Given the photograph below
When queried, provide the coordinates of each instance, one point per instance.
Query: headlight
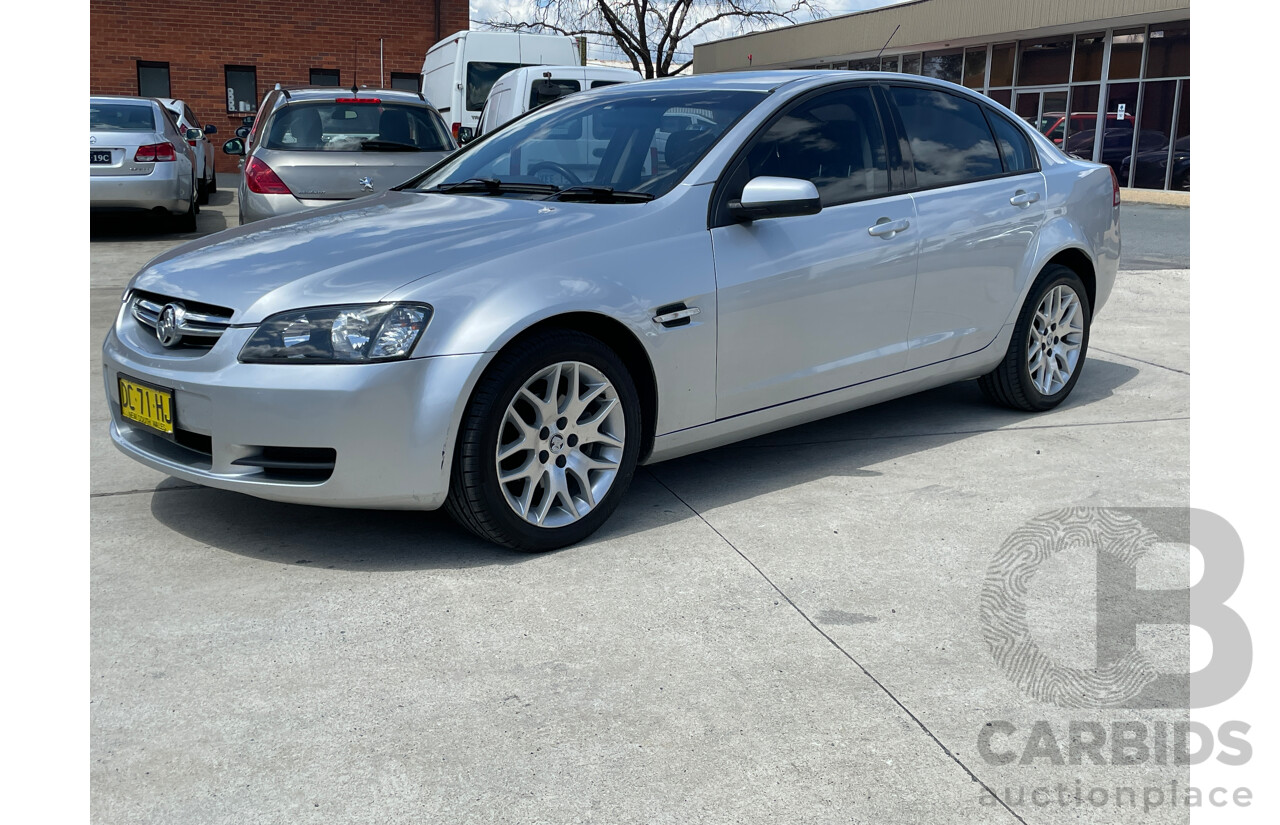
(338, 335)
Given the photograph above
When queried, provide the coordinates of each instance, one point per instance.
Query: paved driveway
(785, 629)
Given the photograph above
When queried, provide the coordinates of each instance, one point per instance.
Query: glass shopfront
(1117, 96)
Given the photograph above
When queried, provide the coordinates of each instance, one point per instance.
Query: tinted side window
(949, 137)
(833, 140)
(1014, 146)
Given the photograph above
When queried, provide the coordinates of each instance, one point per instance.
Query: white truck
(459, 70)
(518, 91)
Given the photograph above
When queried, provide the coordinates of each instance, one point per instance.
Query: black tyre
(202, 187)
(1049, 344)
(548, 444)
(186, 222)
(213, 182)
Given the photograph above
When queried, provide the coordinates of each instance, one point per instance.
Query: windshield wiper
(387, 146)
(600, 194)
(493, 186)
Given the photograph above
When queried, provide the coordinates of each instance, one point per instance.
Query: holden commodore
(509, 334)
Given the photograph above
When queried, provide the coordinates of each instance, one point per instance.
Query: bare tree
(651, 33)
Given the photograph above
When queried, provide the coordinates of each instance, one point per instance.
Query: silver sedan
(511, 349)
(139, 161)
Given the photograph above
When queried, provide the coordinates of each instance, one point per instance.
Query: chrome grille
(202, 324)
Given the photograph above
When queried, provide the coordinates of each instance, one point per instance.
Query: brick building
(222, 57)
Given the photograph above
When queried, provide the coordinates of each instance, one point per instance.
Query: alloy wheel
(560, 444)
(1054, 341)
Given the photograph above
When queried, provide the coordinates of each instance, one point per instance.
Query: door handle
(1023, 198)
(886, 228)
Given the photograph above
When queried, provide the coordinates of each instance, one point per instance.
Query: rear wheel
(186, 222)
(202, 187)
(548, 444)
(1049, 344)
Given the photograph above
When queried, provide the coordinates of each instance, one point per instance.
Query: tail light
(1115, 187)
(456, 127)
(262, 180)
(374, 100)
(155, 152)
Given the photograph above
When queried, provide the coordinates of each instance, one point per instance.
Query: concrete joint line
(837, 646)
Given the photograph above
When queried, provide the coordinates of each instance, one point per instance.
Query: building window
(1169, 50)
(242, 88)
(944, 65)
(911, 63)
(1088, 62)
(153, 79)
(889, 64)
(975, 67)
(1044, 62)
(323, 77)
(1002, 64)
(1126, 53)
(408, 81)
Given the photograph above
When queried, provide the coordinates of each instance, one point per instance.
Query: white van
(459, 70)
(518, 91)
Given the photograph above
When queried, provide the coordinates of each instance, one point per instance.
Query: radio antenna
(886, 43)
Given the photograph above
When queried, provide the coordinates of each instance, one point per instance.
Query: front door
(814, 303)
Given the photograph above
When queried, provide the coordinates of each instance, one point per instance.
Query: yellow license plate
(150, 406)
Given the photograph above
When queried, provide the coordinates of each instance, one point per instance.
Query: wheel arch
(619, 338)
(1079, 262)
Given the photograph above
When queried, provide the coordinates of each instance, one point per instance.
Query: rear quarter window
(1015, 147)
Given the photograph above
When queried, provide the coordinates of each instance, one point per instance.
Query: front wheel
(1049, 344)
(548, 444)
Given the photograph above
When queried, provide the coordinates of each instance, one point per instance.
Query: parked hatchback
(139, 161)
(510, 349)
(313, 147)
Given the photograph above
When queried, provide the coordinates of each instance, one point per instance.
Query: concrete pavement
(780, 630)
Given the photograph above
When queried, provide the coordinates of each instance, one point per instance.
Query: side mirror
(769, 197)
(235, 146)
(192, 134)
(210, 129)
(242, 132)
(248, 120)
(465, 135)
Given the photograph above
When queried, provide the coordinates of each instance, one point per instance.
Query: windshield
(614, 138)
(330, 126)
(121, 117)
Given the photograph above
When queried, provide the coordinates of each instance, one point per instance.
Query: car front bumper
(391, 425)
(160, 189)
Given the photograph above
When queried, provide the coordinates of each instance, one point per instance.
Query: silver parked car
(139, 161)
(311, 147)
(482, 340)
(206, 158)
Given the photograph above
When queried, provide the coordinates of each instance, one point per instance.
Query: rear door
(813, 303)
(979, 207)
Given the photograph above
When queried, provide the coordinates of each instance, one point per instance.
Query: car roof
(122, 99)
(335, 92)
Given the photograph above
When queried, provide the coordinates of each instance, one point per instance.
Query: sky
(599, 49)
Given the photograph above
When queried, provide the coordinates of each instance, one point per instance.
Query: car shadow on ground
(389, 541)
(146, 226)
